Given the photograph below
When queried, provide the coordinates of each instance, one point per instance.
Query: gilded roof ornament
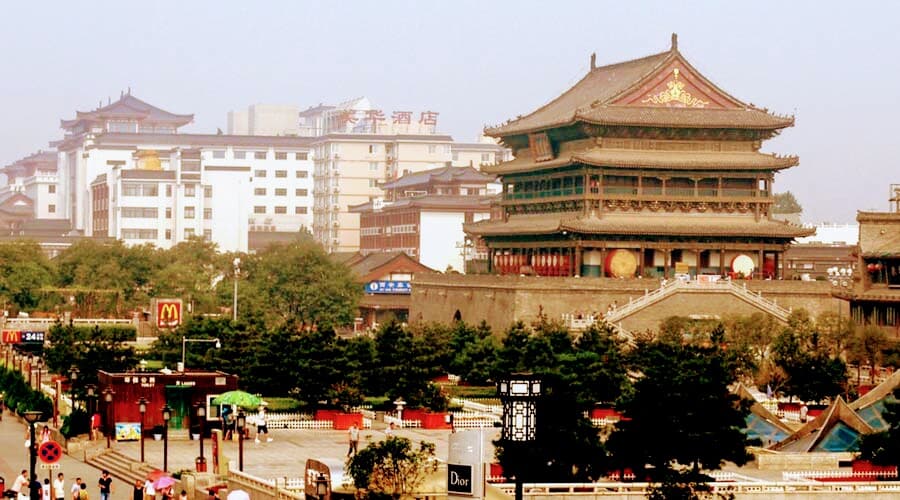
(675, 93)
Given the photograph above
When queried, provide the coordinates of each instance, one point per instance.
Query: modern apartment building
(350, 169)
(111, 155)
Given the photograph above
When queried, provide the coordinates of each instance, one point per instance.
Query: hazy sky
(833, 64)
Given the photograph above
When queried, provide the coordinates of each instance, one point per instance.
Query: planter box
(326, 414)
(343, 421)
(435, 421)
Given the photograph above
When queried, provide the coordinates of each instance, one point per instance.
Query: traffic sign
(49, 466)
(50, 452)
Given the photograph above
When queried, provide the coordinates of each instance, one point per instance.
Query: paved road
(14, 458)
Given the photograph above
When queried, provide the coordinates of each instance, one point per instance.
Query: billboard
(22, 337)
(167, 313)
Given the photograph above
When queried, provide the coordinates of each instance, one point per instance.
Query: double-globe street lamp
(519, 394)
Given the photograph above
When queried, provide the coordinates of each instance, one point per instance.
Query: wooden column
(761, 261)
(721, 259)
(641, 262)
(577, 259)
(601, 197)
(586, 184)
(490, 264)
(667, 254)
(603, 262)
(697, 257)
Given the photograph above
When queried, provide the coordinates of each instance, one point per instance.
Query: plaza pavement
(285, 456)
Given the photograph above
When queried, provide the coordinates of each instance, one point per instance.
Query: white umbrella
(238, 495)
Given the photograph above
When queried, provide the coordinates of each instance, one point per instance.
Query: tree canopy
(786, 203)
(680, 414)
(393, 468)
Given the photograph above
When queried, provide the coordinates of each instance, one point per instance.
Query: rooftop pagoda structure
(642, 168)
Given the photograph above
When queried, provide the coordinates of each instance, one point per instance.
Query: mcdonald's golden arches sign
(168, 313)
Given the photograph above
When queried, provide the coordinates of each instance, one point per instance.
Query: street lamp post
(40, 370)
(32, 417)
(166, 414)
(519, 394)
(108, 394)
(201, 416)
(30, 369)
(142, 407)
(184, 342)
(73, 378)
(241, 422)
(91, 402)
(237, 272)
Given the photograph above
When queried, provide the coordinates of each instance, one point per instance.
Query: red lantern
(871, 268)
(878, 266)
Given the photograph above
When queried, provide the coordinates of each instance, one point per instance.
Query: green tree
(475, 351)
(107, 277)
(24, 270)
(568, 446)
(811, 373)
(883, 448)
(392, 468)
(404, 367)
(680, 413)
(298, 284)
(596, 369)
(866, 347)
(191, 270)
(786, 203)
(90, 350)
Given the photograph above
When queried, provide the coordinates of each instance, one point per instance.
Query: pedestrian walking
(35, 490)
(138, 490)
(45, 434)
(353, 434)
(76, 488)
(389, 432)
(149, 490)
(262, 424)
(105, 484)
(59, 487)
(82, 492)
(45, 489)
(20, 484)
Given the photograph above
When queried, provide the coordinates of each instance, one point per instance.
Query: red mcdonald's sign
(12, 336)
(168, 314)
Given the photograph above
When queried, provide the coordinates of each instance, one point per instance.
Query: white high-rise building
(126, 170)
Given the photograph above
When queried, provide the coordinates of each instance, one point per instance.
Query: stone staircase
(679, 286)
(120, 466)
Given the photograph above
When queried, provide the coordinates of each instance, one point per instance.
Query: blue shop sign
(388, 287)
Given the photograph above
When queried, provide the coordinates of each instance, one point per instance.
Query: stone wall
(501, 300)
